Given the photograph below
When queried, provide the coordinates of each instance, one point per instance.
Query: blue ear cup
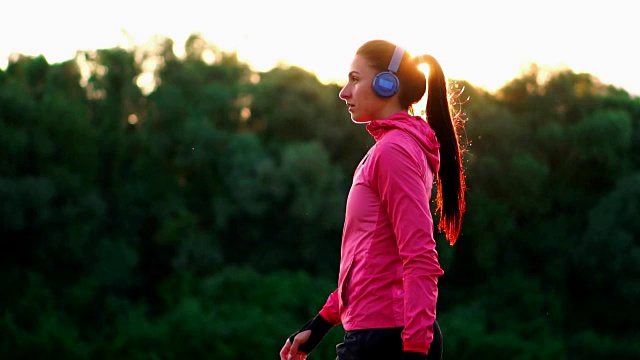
(386, 83)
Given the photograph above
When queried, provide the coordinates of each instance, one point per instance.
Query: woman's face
(364, 105)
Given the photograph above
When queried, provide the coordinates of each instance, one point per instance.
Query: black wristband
(410, 355)
(319, 328)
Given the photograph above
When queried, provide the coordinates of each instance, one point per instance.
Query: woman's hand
(290, 350)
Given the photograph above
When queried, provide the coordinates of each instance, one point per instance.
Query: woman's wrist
(319, 327)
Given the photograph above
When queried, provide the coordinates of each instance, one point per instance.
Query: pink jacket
(389, 266)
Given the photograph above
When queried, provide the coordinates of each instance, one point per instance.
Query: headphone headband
(394, 64)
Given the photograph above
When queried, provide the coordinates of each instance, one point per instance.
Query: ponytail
(450, 180)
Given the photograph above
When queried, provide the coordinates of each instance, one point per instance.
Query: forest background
(200, 215)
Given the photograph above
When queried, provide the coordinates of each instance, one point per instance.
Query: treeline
(163, 207)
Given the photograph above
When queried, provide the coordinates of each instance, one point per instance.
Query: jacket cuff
(330, 317)
(415, 346)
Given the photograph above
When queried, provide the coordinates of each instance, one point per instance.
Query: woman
(387, 284)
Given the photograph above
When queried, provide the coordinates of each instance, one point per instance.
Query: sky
(484, 42)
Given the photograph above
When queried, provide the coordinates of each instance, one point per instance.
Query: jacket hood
(415, 126)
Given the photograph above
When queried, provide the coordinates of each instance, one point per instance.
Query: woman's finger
(285, 351)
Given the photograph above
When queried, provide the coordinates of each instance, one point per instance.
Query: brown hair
(450, 199)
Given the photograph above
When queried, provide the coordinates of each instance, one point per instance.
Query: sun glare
(424, 68)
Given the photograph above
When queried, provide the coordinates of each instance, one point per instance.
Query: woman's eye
(354, 79)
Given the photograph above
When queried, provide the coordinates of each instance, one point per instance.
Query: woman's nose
(344, 93)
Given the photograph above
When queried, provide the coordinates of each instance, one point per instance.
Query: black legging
(382, 344)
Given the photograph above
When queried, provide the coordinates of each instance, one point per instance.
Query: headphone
(386, 83)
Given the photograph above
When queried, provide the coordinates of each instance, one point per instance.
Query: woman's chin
(359, 120)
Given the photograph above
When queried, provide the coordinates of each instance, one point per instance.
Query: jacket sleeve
(404, 180)
(330, 310)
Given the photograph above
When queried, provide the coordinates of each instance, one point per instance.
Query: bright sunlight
(485, 43)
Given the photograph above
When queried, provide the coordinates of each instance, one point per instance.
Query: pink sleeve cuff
(330, 316)
(415, 346)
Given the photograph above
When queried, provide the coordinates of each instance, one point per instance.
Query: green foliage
(611, 245)
(199, 214)
(467, 335)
